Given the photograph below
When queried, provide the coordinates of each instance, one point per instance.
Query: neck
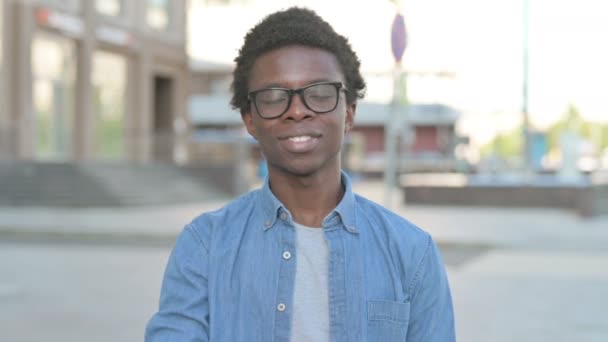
(309, 199)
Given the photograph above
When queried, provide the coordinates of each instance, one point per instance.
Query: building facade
(429, 140)
(428, 144)
(91, 80)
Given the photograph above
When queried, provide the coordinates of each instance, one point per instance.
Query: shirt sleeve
(431, 310)
(183, 313)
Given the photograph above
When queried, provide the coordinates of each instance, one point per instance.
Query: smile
(300, 143)
(301, 138)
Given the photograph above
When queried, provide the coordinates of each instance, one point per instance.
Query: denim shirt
(230, 276)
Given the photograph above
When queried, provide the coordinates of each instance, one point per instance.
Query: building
(93, 80)
(428, 144)
(432, 141)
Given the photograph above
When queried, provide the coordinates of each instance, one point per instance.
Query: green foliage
(510, 144)
(604, 136)
(573, 121)
(506, 145)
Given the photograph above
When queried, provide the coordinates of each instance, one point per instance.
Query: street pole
(525, 85)
(394, 122)
(390, 140)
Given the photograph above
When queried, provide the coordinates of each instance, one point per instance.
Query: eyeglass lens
(320, 98)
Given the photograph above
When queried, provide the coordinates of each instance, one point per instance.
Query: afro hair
(294, 26)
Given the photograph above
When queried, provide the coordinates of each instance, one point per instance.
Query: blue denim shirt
(229, 278)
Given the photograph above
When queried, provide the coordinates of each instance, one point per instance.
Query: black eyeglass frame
(291, 92)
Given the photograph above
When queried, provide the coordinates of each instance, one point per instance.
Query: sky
(479, 42)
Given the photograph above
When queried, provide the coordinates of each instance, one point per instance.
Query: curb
(87, 236)
(153, 238)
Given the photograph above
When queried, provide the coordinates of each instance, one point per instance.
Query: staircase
(99, 184)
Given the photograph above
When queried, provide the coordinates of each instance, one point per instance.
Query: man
(303, 258)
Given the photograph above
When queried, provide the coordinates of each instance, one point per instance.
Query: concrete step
(107, 184)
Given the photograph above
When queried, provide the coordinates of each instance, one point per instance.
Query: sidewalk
(497, 227)
(514, 273)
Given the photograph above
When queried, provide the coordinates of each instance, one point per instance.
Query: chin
(301, 171)
(305, 169)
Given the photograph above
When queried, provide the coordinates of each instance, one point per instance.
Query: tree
(510, 144)
(573, 121)
(506, 145)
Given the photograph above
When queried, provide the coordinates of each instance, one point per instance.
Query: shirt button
(286, 255)
(281, 307)
(267, 223)
(283, 216)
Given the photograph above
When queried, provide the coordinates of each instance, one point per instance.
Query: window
(71, 6)
(53, 71)
(110, 8)
(217, 2)
(158, 14)
(3, 120)
(1, 32)
(109, 87)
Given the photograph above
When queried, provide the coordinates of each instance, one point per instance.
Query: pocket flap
(386, 310)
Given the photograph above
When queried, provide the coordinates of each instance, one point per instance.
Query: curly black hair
(294, 26)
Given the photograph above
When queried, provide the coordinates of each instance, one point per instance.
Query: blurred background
(485, 123)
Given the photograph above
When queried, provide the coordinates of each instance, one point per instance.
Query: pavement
(94, 274)
(449, 225)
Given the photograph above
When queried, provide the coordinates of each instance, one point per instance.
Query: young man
(303, 258)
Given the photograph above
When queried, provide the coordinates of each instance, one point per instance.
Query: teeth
(300, 139)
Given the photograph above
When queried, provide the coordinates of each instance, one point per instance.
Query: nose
(297, 110)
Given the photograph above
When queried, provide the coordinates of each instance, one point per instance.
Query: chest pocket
(387, 320)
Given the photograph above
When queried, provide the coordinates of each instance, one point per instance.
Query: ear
(351, 109)
(248, 121)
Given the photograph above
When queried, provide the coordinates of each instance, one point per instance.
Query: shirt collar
(272, 208)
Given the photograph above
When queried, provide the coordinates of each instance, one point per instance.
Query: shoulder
(206, 224)
(379, 220)
(228, 211)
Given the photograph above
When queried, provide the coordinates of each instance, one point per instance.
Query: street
(71, 292)
(106, 292)
(523, 295)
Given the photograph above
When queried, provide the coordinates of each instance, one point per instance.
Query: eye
(320, 92)
(319, 97)
(272, 96)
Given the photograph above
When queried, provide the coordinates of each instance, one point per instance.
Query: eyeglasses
(271, 103)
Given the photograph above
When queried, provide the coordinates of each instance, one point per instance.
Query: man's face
(300, 142)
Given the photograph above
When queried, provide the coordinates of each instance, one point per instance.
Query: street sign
(398, 37)
(395, 121)
(69, 24)
(114, 35)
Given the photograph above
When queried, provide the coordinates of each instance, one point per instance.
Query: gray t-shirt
(311, 301)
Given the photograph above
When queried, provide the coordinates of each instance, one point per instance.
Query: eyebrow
(280, 86)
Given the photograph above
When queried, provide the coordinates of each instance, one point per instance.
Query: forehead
(294, 66)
